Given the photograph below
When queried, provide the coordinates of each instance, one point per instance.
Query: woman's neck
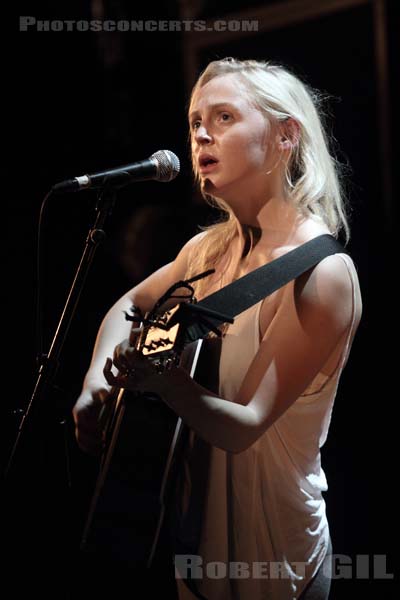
(275, 225)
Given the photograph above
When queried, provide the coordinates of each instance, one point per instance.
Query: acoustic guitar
(144, 438)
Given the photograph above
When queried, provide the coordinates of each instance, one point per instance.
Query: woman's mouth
(207, 163)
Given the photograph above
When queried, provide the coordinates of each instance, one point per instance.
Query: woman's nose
(202, 136)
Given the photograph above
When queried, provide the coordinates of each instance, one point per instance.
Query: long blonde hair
(313, 174)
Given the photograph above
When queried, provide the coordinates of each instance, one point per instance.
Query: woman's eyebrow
(196, 113)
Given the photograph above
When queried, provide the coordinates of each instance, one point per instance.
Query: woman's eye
(195, 124)
(225, 117)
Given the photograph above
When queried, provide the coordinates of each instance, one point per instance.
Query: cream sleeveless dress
(264, 531)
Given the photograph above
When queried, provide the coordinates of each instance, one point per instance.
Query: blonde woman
(260, 153)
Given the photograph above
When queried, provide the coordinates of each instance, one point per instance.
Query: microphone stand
(50, 362)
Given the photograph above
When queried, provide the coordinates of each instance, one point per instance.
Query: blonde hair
(313, 174)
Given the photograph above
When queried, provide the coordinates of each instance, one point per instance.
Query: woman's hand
(135, 372)
(90, 413)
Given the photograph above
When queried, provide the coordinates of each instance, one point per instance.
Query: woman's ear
(289, 134)
(285, 144)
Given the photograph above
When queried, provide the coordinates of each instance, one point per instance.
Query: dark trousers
(320, 585)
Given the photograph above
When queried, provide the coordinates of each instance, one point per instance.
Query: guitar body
(138, 473)
(135, 518)
(125, 508)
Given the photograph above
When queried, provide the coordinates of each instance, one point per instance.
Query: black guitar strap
(260, 283)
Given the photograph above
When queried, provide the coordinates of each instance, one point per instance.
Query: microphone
(162, 166)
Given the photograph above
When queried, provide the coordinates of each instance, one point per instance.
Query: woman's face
(230, 139)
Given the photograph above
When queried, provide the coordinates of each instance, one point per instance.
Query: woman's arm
(113, 329)
(312, 320)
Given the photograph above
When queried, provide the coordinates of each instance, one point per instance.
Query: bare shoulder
(182, 260)
(329, 291)
(147, 292)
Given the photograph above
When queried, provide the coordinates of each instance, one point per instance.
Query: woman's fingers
(121, 379)
(88, 442)
(89, 424)
(135, 371)
(134, 335)
(112, 379)
(126, 357)
(89, 434)
(122, 364)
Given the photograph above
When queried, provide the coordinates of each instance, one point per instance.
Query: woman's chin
(213, 188)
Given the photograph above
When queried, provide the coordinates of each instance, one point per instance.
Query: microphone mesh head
(168, 165)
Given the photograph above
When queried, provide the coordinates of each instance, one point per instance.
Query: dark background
(78, 102)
